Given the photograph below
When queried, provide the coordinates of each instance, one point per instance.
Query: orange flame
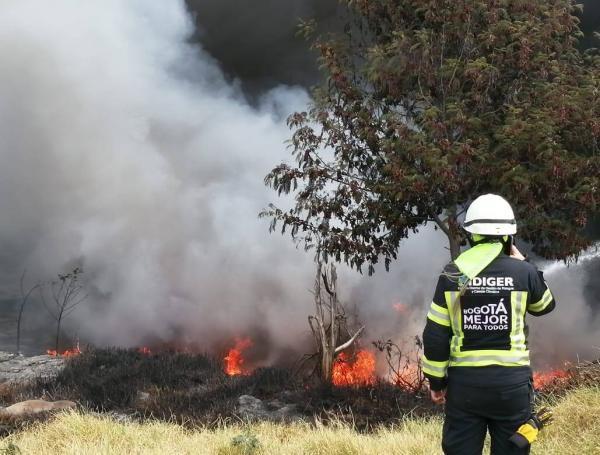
(410, 378)
(145, 350)
(400, 308)
(544, 379)
(234, 361)
(359, 372)
(68, 353)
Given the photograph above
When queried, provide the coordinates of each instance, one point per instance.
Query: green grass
(576, 430)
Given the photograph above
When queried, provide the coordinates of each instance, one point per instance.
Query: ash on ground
(194, 390)
(17, 369)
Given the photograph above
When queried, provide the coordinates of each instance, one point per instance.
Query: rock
(247, 404)
(32, 407)
(19, 369)
(252, 408)
(275, 404)
(4, 356)
(289, 413)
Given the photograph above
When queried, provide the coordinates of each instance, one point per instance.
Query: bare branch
(349, 343)
(43, 298)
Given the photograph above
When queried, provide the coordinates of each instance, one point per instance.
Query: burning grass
(198, 389)
(234, 360)
(358, 371)
(576, 431)
(560, 381)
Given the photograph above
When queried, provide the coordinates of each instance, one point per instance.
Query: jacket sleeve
(541, 300)
(436, 339)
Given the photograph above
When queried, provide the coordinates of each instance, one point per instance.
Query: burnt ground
(194, 390)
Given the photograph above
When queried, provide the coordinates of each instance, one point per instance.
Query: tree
(328, 324)
(427, 105)
(24, 298)
(67, 293)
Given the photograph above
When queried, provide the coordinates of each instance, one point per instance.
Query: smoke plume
(125, 151)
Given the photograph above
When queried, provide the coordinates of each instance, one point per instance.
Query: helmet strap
(478, 239)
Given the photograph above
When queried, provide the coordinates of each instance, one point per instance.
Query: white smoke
(571, 332)
(125, 151)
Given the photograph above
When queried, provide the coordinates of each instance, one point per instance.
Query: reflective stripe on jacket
(485, 324)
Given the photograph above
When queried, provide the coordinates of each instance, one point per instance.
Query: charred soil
(194, 390)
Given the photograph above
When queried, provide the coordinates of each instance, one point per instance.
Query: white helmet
(490, 214)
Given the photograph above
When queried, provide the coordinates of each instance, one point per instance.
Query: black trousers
(472, 411)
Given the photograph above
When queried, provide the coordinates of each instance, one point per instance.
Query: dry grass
(73, 433)
(576, 427)
(576, 431)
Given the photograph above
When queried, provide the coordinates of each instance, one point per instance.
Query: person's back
(475, 344)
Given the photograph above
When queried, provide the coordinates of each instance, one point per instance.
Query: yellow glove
(528, 432)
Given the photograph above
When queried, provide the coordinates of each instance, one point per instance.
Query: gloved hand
(528, 432)
(542, 418)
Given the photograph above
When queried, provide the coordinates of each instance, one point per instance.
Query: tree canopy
(428, 104)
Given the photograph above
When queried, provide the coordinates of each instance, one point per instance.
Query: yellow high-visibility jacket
(481, 322)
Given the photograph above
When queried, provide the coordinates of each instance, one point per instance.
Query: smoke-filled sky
(256, 41)
(128, 147)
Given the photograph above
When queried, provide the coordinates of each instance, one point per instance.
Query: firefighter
(476, 356)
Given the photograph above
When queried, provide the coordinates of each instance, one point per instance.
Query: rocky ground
(16, 369)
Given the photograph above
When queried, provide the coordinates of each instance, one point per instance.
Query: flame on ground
(234, 361)
(401, 308)
(145, 350)
(354, 372)
(409, 378)
(68, 353)
(544, 379)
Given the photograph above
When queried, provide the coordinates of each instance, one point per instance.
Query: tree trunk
(24, 299)
(454, 237)
(329, 321)
(19, 328)
(452, 229)
(327, 365)
(59, 320)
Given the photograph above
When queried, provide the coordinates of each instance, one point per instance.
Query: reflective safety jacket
(484, 325)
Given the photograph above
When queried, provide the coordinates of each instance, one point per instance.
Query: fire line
(354, 372)
(234, 361)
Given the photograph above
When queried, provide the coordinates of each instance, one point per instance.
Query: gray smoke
(256, 42)
(569, 333)
(126, 150)
(572, 331)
